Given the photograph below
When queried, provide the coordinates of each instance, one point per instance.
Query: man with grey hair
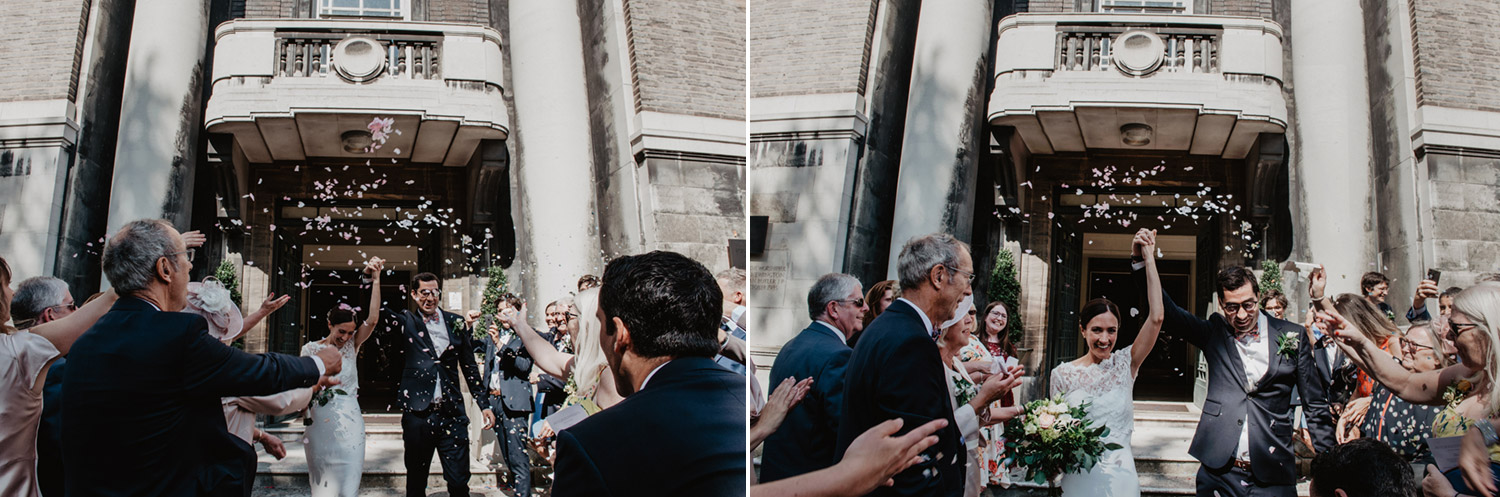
(39, 300)
(806, 439)
(896, 371)
(141, 398)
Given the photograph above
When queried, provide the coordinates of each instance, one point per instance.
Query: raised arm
(552, 361)
(1177, 320)
(1417, 388)
(63, 332)
(267, 306)
(1152, 328)
(375, 266)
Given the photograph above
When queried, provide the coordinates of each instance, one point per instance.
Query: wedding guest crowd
(154, 401)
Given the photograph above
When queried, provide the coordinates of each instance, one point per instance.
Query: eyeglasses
(71, 307)
(967, 274)
(856, 302)
(1234, 308)
(429, 292)
(189, 253)
(1455, 330)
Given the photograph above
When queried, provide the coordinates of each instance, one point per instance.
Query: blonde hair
(1481, 304)
(588, 356)
(1365, 317)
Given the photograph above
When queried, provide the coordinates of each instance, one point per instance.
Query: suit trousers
(444, 428)
(511, 431)
(1231, 481)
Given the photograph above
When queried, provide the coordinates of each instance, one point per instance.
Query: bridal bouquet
(1052, 438)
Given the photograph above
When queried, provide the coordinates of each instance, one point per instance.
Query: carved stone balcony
(1200, 84)
(289, 89)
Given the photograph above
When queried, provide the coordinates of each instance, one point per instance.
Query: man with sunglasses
(438, 345)
(39, 300)
(807, 436)
(1244, 437)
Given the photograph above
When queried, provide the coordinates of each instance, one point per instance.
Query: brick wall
(48, 36)
(464, 11)
(1457, 57)
(1248, 8)
(263, 9)
(688, 56)
(805, 48)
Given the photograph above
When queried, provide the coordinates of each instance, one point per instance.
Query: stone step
(384, 468)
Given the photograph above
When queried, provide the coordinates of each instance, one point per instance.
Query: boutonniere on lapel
(1455, 392)
(1287, 345)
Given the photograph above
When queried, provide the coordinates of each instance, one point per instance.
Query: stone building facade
(306, 135)
(1357, 135)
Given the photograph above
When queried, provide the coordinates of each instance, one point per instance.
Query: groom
(432, 418)
(1244, 438)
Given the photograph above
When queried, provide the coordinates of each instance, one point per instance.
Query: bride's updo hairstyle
(340, 315)
(1093, 309)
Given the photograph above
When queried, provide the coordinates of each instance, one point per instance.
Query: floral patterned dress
(996, 463)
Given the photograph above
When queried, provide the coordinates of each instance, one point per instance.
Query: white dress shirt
(835, 331)
(653, 373)
(1256, 357)
(440, 340)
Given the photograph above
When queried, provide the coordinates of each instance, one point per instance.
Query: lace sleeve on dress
(309, 348)
(1120, 363)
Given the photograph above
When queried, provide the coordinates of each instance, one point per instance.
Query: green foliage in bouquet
(494, 289)
(1270, 277)
(1005, 286)
(1053, 438)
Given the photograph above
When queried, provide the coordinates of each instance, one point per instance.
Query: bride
(336, 437)
(1105, 379)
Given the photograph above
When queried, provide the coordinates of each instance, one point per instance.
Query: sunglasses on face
(856, 302)
(1456, 330)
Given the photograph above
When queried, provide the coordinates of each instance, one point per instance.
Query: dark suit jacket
(141, 412)
(1266, 405)
(515, 373)
(807, 437)
(425, 367)
(896, 372)
(681, 435)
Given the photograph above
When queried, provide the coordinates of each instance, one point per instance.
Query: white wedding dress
(336, 438)
(1107, 387)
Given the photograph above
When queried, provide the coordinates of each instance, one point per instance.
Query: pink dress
(22, 357)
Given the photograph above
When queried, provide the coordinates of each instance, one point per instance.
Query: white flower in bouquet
(1053, 438)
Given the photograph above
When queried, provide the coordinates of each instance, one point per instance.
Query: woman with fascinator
(336, 437)
(226, 323)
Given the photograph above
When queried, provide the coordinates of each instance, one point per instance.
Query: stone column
(1332, 155)
(554, 162)
(944, 118)
(161, 114)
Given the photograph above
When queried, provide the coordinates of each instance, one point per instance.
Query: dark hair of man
(416, 281)
(1451, 292)
(1094, 308)
(1364, 467)
(1371, 280)
(670, 303)
(1234, 277)
(340, 315)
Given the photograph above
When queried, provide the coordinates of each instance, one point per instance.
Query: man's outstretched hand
(333, 361)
